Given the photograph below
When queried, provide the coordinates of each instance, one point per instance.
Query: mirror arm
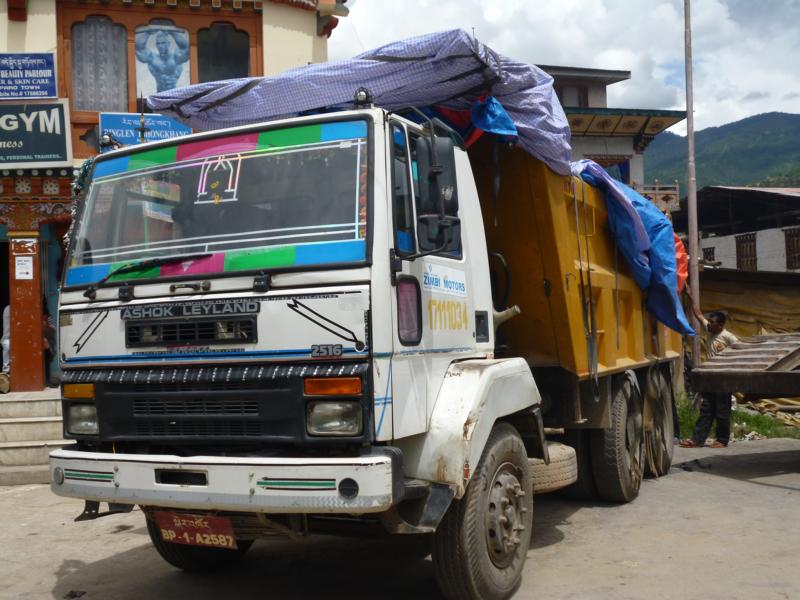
(413, 257)
(436, 168)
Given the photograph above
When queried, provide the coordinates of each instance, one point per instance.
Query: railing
(666, 197)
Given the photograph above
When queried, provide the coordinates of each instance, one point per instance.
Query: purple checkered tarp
(453, 70)
(449, 69)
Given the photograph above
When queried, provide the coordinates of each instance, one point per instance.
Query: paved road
(724, 524)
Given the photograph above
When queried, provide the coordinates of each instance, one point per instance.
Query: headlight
(333, 418)
(82, 419)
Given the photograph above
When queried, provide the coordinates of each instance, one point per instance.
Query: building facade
(748, 228)
(62, 64)
(616, 138)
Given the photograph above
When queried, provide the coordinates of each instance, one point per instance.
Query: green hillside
(760, 149)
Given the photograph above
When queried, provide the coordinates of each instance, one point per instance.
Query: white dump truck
(347, 322)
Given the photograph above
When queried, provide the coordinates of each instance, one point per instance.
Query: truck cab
(264, 325)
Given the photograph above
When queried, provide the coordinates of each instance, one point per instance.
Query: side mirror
(439, 233)
(437, 187)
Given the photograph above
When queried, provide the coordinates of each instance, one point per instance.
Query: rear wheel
(480, 546)
(195, 559)
(659, 437)
(618, 452)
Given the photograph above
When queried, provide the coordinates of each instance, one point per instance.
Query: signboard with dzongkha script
(27, 76)
(35, 135)
(126, 127)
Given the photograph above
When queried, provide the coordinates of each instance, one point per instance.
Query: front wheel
(195, 559)
(481, 544)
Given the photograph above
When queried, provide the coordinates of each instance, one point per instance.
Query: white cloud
(746, 54)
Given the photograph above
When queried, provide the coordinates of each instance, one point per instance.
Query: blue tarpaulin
(449, 72)
(645, 238)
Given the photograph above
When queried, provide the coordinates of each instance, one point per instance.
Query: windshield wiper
(91, 291)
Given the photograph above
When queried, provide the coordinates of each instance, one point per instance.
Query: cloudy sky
(746, 52)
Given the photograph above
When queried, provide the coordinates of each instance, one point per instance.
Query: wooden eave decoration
(17, 10)
(236, 5)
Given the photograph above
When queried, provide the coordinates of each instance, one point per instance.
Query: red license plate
(195, 530)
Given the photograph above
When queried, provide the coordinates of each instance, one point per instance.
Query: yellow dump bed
(573, 286)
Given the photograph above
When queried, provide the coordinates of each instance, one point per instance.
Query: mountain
(762, 148)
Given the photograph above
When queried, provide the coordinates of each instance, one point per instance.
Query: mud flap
(91, 510)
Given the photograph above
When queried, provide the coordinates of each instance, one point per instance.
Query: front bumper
(246, 484)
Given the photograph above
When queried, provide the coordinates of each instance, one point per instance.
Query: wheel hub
(505, 515)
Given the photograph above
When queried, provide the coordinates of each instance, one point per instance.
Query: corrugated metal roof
(764, 190)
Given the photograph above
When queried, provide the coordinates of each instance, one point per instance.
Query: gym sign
(35, 135)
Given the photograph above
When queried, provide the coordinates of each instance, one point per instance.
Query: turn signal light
(332, 386)
(78, 390)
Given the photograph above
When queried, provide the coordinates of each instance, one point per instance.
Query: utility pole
(691, 197)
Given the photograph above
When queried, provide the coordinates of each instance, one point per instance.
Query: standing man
(715, 405)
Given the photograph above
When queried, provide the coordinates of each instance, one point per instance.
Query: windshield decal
(249, 142)
(236, 260)
(90, 330)
(219, 180)
(250, 201)
(326, 323)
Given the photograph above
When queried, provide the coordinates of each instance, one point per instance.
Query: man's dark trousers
(714, 406)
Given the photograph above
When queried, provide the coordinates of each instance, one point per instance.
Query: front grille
(148, 388)
(145, 407)
(199, 428)
(189, 332)
(209, 404)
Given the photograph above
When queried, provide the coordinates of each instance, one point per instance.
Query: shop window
(583, 96)
(792, 248)
(746, 257)
(222, 52)
(99, 65)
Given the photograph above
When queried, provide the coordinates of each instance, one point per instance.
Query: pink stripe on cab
(217, 146)
(210, 264)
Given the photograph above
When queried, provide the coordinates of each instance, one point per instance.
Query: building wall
(597, 96)
(37, 34)
(770, 250)
(583, 146)
(724, 249)
(290, 38)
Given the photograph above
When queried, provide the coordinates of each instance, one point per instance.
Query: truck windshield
(270, 199)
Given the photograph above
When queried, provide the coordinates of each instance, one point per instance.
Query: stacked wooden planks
(764, 365)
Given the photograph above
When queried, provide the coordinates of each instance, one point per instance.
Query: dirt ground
(723, 524)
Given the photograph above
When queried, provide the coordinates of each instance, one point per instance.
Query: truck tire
(195, 559)
(659, 441)
(561, 472)
(480, 546)
(584, 487)
(618, 452)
